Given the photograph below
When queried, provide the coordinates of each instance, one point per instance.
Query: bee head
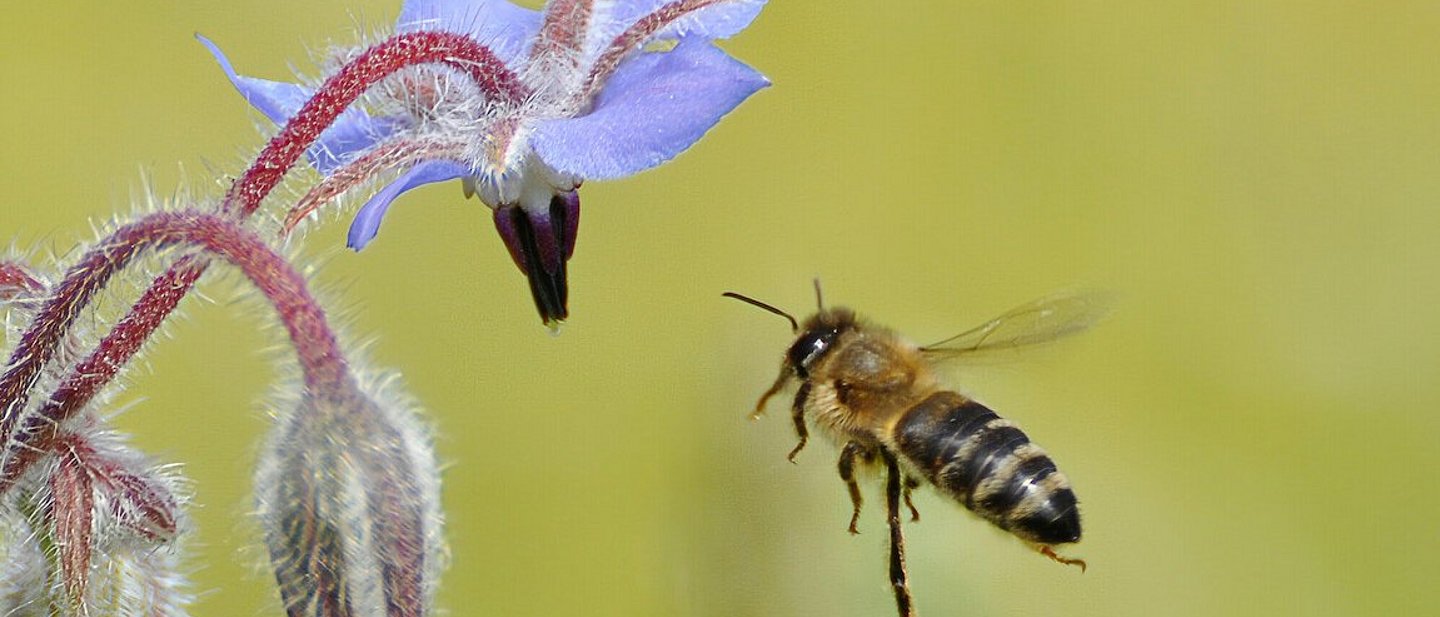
(817, 338)
(812, 342)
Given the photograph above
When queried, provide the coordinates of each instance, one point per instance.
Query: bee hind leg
(899, 579)
(853, 450)
(1049, 551)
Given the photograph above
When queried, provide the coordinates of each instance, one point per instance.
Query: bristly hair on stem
(398, 556)
(163, 295)
(340, 460)
(22, 435)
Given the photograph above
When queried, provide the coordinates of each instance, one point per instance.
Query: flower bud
(348, 498)
(112, 520)
(97, 534)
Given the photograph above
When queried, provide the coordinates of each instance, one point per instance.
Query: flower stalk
(340, 91)
(163, 295)
(347, 486)
(23, 436)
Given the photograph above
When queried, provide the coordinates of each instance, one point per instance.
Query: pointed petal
(72, 511)
(654, 107)
(503, 27)
(367, 220)
(18, 280)
(353, 131)
(143, 505)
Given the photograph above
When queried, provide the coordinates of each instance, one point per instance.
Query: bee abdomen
(991, 467)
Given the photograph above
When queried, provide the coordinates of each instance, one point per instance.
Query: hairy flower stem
(389, 155)
(400, 51)
(325, 371)
(284, 150)
(633, 36)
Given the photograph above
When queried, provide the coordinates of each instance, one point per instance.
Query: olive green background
(1253, 432)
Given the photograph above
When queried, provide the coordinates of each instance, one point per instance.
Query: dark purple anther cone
(541, 243)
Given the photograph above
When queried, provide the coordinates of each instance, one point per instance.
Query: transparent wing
(1040, 321)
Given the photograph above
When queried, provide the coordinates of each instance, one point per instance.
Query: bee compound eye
(809, 348)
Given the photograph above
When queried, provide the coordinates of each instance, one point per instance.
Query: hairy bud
(348, 497)
(95, 531)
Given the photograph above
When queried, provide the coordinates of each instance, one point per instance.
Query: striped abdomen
(986, 463)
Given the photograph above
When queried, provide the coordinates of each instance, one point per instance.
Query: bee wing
(1033, 323)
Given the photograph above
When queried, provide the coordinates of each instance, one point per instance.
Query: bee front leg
(797, 413)
(775, 388)
(899, 579)
(853, 450)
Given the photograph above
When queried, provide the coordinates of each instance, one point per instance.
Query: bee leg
(774, 389)
(1048, 551)
(899, 580)
(911, 484)
(852, 451)
(797, 413)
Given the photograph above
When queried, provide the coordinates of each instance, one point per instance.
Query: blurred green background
(1253, 432)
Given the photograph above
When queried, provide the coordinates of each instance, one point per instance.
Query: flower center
(530, 185)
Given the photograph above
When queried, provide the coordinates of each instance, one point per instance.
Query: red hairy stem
(324, 368)
(563, 32)
(633, 36)
(245, 195)
(387, 155)
(339, 91)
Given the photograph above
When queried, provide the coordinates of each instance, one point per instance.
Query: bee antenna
(794, 325)
(819, 301)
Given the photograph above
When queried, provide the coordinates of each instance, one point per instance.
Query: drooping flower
(605, 89)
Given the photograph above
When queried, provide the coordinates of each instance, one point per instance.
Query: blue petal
(503, 27)
(367, 220)
(654, 107)
(719, 21)
(353, 131)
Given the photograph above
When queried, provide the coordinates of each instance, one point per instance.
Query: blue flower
(613, 87)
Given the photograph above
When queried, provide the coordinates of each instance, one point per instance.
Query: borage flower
(595, 89)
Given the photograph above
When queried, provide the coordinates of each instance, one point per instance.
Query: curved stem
(386, 155)
(23, 436)
(246, 194)
(633, 37)
(340, 90)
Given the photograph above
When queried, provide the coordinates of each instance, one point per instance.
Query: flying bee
(879, 397)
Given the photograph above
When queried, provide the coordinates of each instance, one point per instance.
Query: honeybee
(878, 396)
